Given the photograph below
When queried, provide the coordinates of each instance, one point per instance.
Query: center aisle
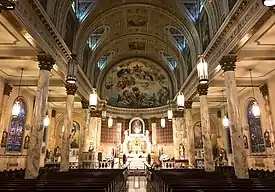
(136, 184)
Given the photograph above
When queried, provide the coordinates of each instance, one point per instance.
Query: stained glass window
(179, 38)
(255, 129)
(104, 59)
(16, 128)
(169, 60)
(95, 38)
(81, 7)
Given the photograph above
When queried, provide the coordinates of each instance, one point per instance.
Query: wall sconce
(202, 67)
(93, 100)
(72, 70)
(162, 122)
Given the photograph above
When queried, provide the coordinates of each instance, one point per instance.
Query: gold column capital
(85, 104)
(264, 90)
(46, 62)
(188, 104)
(228, 63)
(71, 88)
(7, 89)
(202, 89)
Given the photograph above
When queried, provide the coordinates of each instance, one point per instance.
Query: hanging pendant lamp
(255, 107)
(225, 120)
(16, 108)
(47, 119)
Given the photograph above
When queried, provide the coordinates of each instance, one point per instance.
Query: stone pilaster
(239, 156)
(83, 147)
(191, 152)
(4, 115)
(68, 124)
(209, 165)
(270, 129)
(45, 63)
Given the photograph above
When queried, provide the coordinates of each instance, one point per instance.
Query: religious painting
(26, 142)
(231, 3)
(267, 139)
(198, 135)
(4, 139)
(204, 29)
(136, 126)
(136, 83)
(75, 133)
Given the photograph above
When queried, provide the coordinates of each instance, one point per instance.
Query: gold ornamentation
(202, 89)
(71, 88)
(46, 62)
(7, 89)
(228, 63)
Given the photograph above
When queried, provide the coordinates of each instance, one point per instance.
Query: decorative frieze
(178, 114)
(95, 113)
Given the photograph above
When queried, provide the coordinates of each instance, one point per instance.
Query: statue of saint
(181, 150)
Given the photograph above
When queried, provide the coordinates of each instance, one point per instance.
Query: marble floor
(136, 184)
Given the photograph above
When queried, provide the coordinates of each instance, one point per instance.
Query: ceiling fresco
(136, 83)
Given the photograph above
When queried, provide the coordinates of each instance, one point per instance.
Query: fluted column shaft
(209, 165)
(191, 152)
(68, 125)
(4, 115)
(239, 155)
(46, 63)
(268, 141)
(83, 147)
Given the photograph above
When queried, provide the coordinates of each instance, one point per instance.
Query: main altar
(136, 144)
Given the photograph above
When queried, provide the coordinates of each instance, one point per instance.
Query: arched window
(81, 8)
(255, 129)
(16, 128)
(104, 59)
(169, 60)
(178, 38)
(96, 37)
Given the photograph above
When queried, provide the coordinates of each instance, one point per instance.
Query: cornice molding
(246, 14)
(38, 24)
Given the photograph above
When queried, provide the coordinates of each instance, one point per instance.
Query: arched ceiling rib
(137, 28)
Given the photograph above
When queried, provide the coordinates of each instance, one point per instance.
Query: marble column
(95, 129)
(239, 155)
(83, 147)
(68, 125)
(5, 116)
(52, 132)
(46, 63)
(209, 165)
(268, 141)
(191, 152)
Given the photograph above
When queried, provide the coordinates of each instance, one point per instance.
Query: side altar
(136, 144)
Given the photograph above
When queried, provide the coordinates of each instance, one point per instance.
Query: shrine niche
(136, 126)
(136, 83)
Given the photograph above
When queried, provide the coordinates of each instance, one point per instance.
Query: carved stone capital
(95, 113)
(85, 104)
(228, 63)
(46, 62)
(7, 89)
(71, 88)
(264, 90)
(178, 114)
(202, 89)
(188, 104)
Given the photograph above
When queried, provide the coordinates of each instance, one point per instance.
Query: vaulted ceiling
(139, 28)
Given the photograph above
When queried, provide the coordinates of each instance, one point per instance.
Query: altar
(136, 142)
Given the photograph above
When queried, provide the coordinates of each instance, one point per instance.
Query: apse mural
(136, 83)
